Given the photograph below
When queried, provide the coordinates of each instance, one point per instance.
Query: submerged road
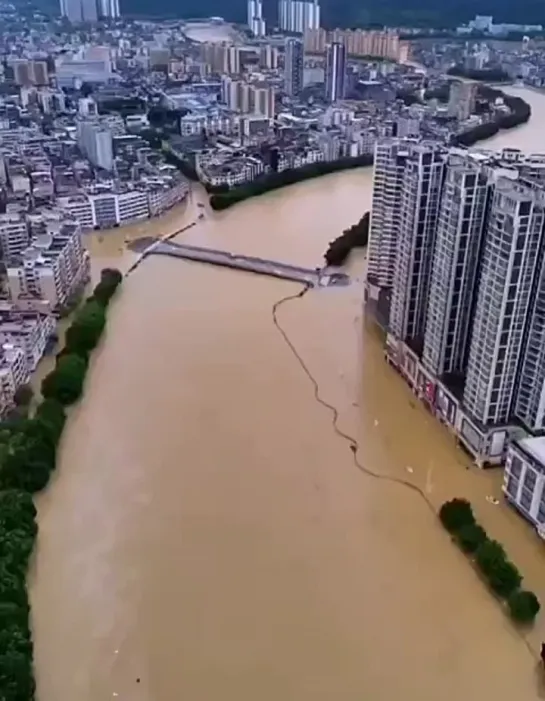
(314, 278)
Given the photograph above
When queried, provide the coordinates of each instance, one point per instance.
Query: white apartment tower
(512, 242)
(294, 63)
(78, 11)
(298, 15)
(109, 9)
(420, 199)
(255, 20)
(389, 168)
(530, 399)
(460, 225)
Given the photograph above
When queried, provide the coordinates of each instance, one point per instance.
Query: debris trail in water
(352, 442)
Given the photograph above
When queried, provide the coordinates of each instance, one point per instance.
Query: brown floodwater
(208, 535)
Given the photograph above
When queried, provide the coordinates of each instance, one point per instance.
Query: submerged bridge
(260, 266)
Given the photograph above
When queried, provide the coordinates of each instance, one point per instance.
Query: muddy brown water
(207, 531)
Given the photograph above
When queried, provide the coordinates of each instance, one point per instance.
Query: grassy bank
(223, 199)
(28, 451)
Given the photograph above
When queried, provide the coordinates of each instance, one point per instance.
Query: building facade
(294, 63)
(460, 227)
(419, 209)
(456, 253)
(512, 240)
(335, 72)
(297, 16)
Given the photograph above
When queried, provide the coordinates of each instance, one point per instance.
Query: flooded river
(208, 535)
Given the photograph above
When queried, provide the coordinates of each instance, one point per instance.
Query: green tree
(86, 330)
(110, 279)
(456, 513)
(502, 576)
(16, 677)
(523, 606)
(470, 537)
(23, 395)
(52, 414)
(65, 382)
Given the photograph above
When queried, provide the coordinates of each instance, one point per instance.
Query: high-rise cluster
(297, 16)
(255, 21)
(358, 42)
(77, 11)
(294, 65)
(335, 72)
(456, 274)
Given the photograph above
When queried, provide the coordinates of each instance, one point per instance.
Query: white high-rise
(109, 9)
(255, 20)
(460, 227)
(96, 142)
(390, 159)
(509, 261)
(78, 11)
(420, 199)
(294, 63)
(298, 16)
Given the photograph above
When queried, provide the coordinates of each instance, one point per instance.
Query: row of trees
(519, 113)
(489, 556)
(274, 181)
(28, 451)
(490, 75)
(356, 236)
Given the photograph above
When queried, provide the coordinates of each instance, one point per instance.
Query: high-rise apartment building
(109, 9)
(96, 142)
(297, 16)
(420, 200)
(247, 98)
(462, 97)
(460, 227)
(77, 11)
(30, 72)
(503, 312)
(457, 245)
(268, 57)
(390, 159)
(335, 72)
(357, 42)
(294, 63)
(254, 20)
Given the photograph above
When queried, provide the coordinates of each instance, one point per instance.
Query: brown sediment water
(208, 531)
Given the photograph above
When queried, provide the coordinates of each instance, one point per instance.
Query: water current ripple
(353, 442)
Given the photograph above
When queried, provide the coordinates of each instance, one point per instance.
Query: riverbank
(520, 113)
(263, 563)
(223, 199)
(29, 454)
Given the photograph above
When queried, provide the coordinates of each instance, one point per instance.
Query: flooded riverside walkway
(208, 531)
(316, 277)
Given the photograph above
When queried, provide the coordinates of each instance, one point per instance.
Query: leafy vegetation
(490, 75)
(523, 606)
(276, 180)
(520, 113)
(502, 576)
(356, 236)
(28, 451)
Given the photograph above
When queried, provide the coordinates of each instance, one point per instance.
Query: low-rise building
(524, 479)
(53, 268)
(31, 331)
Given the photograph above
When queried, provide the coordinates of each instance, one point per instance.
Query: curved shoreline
(220, 200)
